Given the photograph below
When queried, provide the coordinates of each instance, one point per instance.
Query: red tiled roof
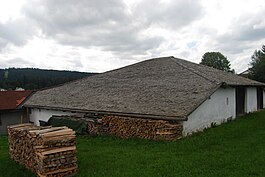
(12, 99)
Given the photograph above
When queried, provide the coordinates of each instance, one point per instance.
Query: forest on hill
(32, 78)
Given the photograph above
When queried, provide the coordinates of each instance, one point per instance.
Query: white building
(195, 96)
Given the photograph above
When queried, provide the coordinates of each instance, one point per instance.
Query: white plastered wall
(44, 114)
(263, 98)
(251, 99)
(218, 108)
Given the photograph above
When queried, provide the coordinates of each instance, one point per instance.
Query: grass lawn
(235, 149)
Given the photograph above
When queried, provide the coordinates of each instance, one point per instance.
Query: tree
(257, 65)
(216, 60)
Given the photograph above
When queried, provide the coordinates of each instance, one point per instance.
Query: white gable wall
(218, 108)
(251, 99)
(44, 114)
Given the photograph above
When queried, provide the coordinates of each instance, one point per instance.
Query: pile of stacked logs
(93, 126)
(47, 151)
(126, 127)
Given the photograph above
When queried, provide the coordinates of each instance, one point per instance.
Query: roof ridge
(192, 70)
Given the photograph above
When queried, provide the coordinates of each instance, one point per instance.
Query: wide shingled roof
(164, 88)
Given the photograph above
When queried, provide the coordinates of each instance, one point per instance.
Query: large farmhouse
(180, 92)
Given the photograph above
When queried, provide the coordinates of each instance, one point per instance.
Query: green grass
(235, 149)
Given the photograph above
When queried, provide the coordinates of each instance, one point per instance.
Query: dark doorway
(260, 98)
(240, 100)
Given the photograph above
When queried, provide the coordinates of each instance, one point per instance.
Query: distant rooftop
(12, 99)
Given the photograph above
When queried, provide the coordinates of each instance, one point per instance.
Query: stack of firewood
(93, 127)
(142, 128)
(20, 144)
(48, 151)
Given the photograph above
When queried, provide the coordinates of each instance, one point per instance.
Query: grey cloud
(74, 60)
(76, 63)
(250, 34)
(109, 24)
(17, 32)
(18, 62)
(174, 15)
(245, 32)
(116, 40)
(15, 62)
(69, 16)
(229, 45)
(3, 43)
(249, 27)
(102, 23)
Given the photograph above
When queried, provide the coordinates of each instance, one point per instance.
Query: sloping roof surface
(12, 99)
(166, 87)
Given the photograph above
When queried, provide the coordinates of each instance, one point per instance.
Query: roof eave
(26, 98)
(247, 85)
(134, 115)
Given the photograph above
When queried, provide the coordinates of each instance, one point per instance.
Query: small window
(227, 101)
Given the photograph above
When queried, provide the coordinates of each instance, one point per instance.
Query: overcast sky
(100, 35)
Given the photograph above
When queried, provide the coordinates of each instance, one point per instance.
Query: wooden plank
(71, 148)
(165, 133)
(53, 129)
(60, 138)
(59, 132)
(48, 129)
(39, 154)
(57, 171)
(20, 125)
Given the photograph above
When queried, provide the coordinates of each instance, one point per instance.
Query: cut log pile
(94, 126)
(47, 151)
(126, 127)
(143, 128)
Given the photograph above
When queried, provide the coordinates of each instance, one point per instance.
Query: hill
(32, 78)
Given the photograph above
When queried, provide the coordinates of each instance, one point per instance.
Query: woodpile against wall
(127, 127)
(124, 127)
(47, 151)
(143, 128)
